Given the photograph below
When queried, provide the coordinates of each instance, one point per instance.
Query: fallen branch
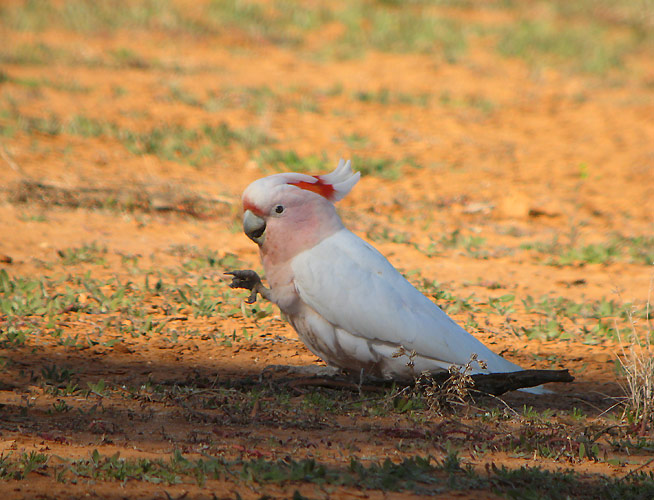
(491, 383)
(499, 383)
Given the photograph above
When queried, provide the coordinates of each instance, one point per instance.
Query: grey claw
(252, 298)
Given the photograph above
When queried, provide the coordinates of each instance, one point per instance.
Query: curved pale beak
(254, 227)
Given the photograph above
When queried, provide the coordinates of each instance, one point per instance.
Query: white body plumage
(349, 305)
(358, 314)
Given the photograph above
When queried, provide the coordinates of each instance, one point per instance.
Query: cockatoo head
(290, 212)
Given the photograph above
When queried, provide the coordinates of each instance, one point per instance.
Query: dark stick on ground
(499, 383)
(492, 383)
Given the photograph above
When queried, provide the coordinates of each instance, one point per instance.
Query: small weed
(548, 330)
(441, 397)
(60, 406)
(446, 300)
(98, 388)
(88, 253)
(502, 305)
(56, 376)
(470, 243)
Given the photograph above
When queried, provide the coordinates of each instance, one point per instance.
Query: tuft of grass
(637, 364)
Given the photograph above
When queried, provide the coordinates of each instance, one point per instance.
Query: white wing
(354, 287)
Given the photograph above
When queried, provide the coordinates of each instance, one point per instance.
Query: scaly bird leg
(249, 280)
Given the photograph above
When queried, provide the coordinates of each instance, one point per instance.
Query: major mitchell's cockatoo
(348, 304)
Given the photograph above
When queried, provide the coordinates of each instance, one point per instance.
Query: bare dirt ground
(514, 188)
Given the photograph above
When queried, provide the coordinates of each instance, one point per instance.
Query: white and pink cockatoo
(348, 304)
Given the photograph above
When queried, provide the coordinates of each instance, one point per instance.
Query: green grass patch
(290, 161)
(385, 97)
(407, 29)
(417, 474)
(635, 249)
(196, 146)
(32, 297)
(193, 145)
(86, 254)
(586, 47)
(473, 245)
(37, 83)
(32, 54)
(100, 16)
(386, 168)
(283, 23)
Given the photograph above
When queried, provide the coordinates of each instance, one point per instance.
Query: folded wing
(354, 287)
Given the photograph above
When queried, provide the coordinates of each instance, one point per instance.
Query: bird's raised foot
(248, 280)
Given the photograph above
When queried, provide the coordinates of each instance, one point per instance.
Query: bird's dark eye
(279, 209)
